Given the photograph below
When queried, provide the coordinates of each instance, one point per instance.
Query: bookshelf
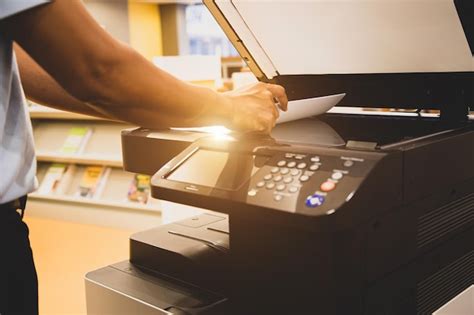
(43, 112)
(68, 145)
(85, 159)
(127, 205)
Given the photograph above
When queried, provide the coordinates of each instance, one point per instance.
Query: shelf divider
(93, 202)
(85, 159)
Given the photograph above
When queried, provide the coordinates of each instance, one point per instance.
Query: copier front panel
(261, 176)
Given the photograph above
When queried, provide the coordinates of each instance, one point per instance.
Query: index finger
(279, 92)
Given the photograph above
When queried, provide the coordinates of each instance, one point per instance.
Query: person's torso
(17, 158)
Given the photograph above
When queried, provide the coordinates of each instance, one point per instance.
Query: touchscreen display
(222, 170)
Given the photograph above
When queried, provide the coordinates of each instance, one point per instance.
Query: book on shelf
(93, 182)
(57, 179)
(52, 178)
(139, 189)
(76, 140)
(66, 180)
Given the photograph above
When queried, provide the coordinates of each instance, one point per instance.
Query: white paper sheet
(308, 107)
(298, 109)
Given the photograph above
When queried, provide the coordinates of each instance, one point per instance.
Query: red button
(328, 186)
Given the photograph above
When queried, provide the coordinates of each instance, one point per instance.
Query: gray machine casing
(400, 244)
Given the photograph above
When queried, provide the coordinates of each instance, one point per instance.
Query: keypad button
(270, 185)
(304, 178)
(284, 171)
(315, 159)
(291, 164)
(275, 170)
(293, 189)
(337, 175)
(252, 193)
(314, 201)
(281, 163)
(308, 173)
(260, 184)
(301, 165)
(289, 155)
(288, 180)
(277, 178)
(314, 167)
(278, 197)
(294, 172)
(348, 163)
(281, 187)
(267, 177)
(299, 156)
(328, 186)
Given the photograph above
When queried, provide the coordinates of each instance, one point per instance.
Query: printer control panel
(307, 183)
(303, 180)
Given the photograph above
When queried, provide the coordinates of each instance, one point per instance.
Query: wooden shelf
(38, 112)
(85, 159)
(93, 202)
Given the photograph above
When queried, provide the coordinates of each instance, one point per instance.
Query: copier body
(336, 214)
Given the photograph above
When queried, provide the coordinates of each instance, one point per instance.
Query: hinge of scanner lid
(361, 145)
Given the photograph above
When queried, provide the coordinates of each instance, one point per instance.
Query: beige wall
(112, 15)
(144, 21)
(135, 23)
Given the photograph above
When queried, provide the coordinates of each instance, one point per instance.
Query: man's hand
(254, 108)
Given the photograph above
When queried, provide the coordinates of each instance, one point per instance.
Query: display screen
(221, 170)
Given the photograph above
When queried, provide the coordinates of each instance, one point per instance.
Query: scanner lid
(387, 53)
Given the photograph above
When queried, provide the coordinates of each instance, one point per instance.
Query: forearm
(134, 90)
(41, 88)
(165, 102)
(115, 81)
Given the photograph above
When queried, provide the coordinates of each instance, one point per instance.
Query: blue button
(314, 201)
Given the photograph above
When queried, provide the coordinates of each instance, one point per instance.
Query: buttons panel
(293, 173)
(292, 169)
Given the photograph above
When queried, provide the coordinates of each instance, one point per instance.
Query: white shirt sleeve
(11, 7)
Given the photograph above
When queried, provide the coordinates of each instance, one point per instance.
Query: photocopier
(350, 212)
